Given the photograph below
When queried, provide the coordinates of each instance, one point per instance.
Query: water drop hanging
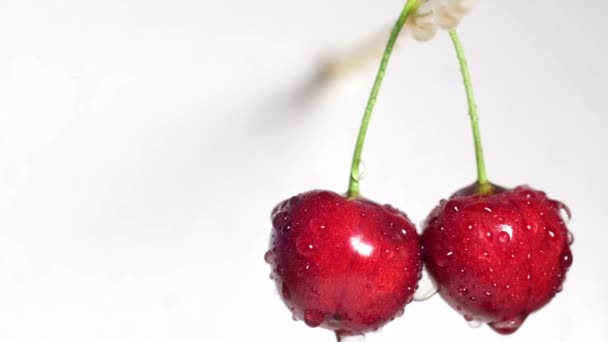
(474, 323)
(313, 318)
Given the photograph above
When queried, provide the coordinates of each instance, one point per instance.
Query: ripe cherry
(496, 254)
(348, 265)
(497, 257)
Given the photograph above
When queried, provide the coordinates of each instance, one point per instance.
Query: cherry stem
(353, 186)
(482, 179)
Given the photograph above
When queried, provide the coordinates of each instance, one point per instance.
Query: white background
(144, 143)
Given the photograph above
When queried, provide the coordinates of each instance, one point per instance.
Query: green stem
(353, 186)
(482, 178)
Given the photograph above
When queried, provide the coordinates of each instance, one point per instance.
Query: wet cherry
(348, 265)
(497, 257)
(496, 254)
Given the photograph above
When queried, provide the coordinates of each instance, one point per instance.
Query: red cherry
(497, 258)
(348, 265)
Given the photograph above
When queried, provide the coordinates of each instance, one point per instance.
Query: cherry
(497, 257)
(346, 265)
(496, 254)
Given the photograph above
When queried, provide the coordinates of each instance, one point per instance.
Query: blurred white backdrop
(144, 143)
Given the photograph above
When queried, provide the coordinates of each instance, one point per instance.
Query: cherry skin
(497, 258)
(348, 265)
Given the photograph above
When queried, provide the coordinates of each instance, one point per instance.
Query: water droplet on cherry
(317, 226)
(528, 194)
(388, 254)
(442, 259)
(268, 256)
(503, 237)
(285, 291)
(473, 323)
(280, 220)
(313, 318)
(305, 245)
(508, 326)
(558, 288)
(564, 212)
(570, 238)
(567, 258)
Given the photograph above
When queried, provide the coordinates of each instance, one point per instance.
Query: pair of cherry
(351, 265)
